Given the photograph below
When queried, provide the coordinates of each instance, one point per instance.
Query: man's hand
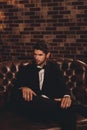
(27, 93)
(65, 101)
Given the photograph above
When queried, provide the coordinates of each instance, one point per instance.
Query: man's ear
(48, 55)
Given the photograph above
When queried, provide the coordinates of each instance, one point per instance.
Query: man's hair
(41, 45)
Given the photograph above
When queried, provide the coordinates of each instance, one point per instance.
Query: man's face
(40, 57)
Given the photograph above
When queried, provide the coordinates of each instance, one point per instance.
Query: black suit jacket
(53, 85)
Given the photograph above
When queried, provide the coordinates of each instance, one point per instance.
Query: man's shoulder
(53, 64)
(26, 67)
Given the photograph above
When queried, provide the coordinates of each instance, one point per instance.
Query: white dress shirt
(41, 77)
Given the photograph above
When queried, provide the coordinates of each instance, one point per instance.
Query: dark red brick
(24, 22)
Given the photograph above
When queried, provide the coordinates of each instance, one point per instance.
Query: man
(41, 90)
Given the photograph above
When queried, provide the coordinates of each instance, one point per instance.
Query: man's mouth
(37, 62)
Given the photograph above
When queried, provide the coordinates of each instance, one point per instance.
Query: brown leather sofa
(75, 74)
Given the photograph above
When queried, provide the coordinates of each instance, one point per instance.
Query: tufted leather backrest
(74, 72)
(8, 71)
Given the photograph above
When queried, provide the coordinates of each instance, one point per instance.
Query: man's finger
(58, 99)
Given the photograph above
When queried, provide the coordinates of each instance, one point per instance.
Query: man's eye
(38, 55)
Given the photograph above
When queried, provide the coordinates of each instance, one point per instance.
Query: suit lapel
(46, 75)
(36, 77)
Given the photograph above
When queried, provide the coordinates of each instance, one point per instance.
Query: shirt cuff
(67, 96)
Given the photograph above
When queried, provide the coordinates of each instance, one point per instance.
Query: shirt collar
(40, 67)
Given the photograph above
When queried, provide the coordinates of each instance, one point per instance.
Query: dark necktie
(38, 68)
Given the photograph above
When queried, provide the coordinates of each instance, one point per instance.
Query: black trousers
(42, 109)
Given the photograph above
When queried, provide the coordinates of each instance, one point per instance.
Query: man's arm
(66, 98)
(22, 84)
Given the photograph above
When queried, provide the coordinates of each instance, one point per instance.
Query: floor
(11, 121)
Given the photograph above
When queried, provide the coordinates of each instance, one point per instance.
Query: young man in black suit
(41, 90)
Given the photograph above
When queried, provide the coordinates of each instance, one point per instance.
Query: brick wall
(62, 23)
